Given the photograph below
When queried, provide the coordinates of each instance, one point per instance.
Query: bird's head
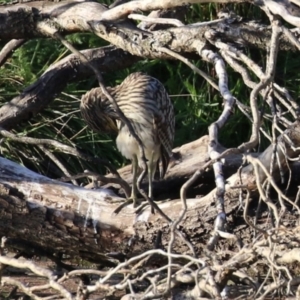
(98, 111)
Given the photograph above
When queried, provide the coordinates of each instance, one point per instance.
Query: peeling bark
(41, 19)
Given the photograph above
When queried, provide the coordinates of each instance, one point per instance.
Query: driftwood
(57, 217)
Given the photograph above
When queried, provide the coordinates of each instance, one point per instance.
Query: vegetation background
(197, 105)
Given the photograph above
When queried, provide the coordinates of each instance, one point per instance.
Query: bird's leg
(151, 170)
(133, 198)
(134, 181)
(150, 176)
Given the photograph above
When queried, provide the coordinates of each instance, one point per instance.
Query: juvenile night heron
(147, 106)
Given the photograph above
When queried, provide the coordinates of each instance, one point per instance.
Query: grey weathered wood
(59, 217)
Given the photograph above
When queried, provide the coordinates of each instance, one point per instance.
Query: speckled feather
(145, 103)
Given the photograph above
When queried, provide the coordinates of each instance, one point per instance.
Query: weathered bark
(46, 212)
(32, 15)
(42, 19)
(58, 217)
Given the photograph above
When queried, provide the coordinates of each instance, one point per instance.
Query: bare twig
(62, 147)
(123, 10)
(57, 162)
(39, 271)
(192, 66)
(270, 71)
(101, 178)
(9, 48)
(168, 21)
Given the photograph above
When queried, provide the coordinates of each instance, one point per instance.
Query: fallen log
(45, 214)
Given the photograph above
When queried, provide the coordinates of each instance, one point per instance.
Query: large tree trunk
(57, 217)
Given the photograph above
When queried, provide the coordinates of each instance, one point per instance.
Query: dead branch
(9, 48)
(286, 141)
(86, 214)
(34, 98)
(37, 96)
(35, 269)
(59, 16)
(63, 220)
(123, 10)
(63, 148)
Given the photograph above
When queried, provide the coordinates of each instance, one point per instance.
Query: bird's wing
(165, 125)
(165, 120)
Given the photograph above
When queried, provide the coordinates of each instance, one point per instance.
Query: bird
(146, 104)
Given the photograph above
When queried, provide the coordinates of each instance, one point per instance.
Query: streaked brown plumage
(147, 106)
